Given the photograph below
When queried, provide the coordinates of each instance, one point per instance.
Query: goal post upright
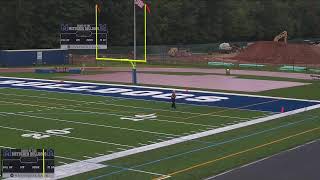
(144, 60)
(131, 61)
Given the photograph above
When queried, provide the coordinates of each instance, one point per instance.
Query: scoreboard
(22, 163)
(83, 36)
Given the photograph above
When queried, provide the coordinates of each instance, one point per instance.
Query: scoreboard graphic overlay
(83, 36)
(27, 163)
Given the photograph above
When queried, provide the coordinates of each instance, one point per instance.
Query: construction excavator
(283, 35)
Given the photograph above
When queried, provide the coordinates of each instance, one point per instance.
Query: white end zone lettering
(206, 99)
(79, 88)
(32, 84)
(54, 86)
(111, 90)
(123, 91)
(11, 82)
(142, 93)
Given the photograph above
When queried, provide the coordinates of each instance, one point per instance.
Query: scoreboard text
(83, 36)
(17, 163)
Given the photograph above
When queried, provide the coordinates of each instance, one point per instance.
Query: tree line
(28, 24)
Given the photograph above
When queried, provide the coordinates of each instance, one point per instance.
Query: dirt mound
(269, 52)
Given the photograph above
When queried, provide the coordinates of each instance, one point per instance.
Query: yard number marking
(140, 117)
(47, 133)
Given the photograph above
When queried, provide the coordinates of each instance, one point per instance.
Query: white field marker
(88, 157)
(62, 162)
(99, 154)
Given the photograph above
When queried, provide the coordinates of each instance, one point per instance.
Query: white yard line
(130, 169)
(99, 154)
(160, 120)
(6, 147)
(72, 159)
(88, 157)
(62, 162)
(143, 144)
(162, 101)
(180, 122)
(122, 149)
(129, 152)
(120, 115)
(93, 112)
(238, 107)
(53, 107)
(91, 124)
(146, 172)
(68, 137)
(126, 106)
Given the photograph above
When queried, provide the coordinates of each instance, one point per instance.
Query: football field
(114, 136)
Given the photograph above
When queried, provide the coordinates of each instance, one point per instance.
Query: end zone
(192, 97)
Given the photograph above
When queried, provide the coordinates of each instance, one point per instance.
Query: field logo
(140, 117)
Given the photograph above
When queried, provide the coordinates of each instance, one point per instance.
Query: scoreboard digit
(16, 163)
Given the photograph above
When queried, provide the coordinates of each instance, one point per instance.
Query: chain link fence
(191, 55)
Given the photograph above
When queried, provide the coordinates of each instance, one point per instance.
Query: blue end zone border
(192, 97)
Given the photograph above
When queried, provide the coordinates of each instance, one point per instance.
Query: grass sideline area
(196, 159)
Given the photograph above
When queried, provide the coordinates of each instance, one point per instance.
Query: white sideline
(68, 137)
(95, 112)
(111, 104)
(81, 166)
